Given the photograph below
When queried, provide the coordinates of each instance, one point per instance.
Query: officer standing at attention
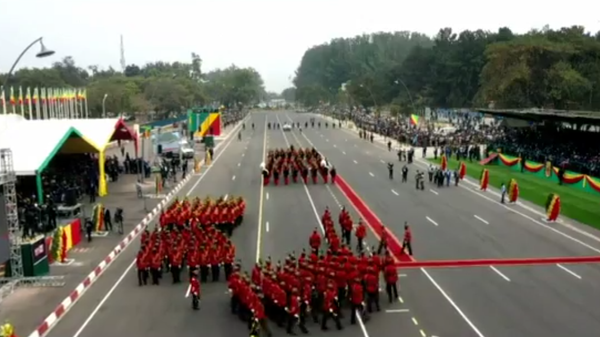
(390, 168)
(404, 173)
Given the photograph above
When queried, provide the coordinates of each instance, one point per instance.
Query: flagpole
(86, 104)
(38, 112)
(30, 103)
(21, 105)
(58, 108)
(61, 104)
(73, 97)
(12, 99)
(75, 101)
(50, 101)
(54, 103)
(44, 99)
(3, 99)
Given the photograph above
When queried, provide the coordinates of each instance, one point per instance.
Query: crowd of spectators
(577, 151)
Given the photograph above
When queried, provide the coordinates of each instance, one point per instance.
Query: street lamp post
(104, 106)
(399, 81)
(42, 53)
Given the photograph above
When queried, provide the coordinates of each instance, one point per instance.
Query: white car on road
(287, 127)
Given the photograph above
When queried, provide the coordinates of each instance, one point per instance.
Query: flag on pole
(85, 101)
(36, 101)
(44, 99)
(29, 102)
(13, 101)
(21, 107)
(3, 100)
(414, 119)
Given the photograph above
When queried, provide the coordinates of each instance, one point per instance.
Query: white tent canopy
(32, 143)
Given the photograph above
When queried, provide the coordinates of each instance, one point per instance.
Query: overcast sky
(269, 35)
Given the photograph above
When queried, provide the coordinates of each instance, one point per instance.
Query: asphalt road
(454, 223)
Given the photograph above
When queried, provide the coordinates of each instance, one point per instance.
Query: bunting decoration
(444, 163)
(513, 191)
(462, 170)
(484, 179)
(98, 218)
(552, 207)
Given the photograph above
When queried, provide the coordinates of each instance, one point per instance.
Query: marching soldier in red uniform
(357, 301)
(142, 267)
(315, 241)
(331, 309)
(372, 289)
(383, 241)
(361, 233)
(286, 174)
(195, 291)
(391, 280)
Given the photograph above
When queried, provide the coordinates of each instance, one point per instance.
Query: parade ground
(450, 223)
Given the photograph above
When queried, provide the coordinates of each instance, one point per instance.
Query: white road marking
(327, 140)
(422, 333)
(243, 154)
(481, 219)
(187, 293)
(400, 299)
(344, 152)
(233, 178)
(402, 275)
(568, 271)
(334, 145)
(430, 220)
(434, 192)
(355, 162)
(500, 273)
(225, 197)
(460, 312)
(267, 196)
(415, 321)
(396, 193)
(239, 164)
(267, 226)
(371, 174)
(395, 311)
(382, 161)
(104, 299)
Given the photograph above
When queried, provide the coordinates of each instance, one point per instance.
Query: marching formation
(291, 163)
(193, 233)
(315, 285)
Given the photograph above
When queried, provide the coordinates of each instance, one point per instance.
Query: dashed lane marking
(267, 195)
(327, 140)
(267, 228)
(415, 321)
(233, 178)
(225, 197)
(344, 152)
(396, 311)
(500, 273)
(400, 299)
(334, 145)
(355, 162)
(568, 271)
(481, 219)
(382, 161)
(431, 220)
(422, 332)
(243, 154)
(371, 174)
(402, 275)
(396, 193)
(239, 164)
(434, 192)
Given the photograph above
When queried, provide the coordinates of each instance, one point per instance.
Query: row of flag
(44, 103)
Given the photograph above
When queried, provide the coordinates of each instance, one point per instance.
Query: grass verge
(577, 205)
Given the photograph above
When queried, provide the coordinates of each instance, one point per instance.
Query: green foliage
(546, 68)
(162, 87)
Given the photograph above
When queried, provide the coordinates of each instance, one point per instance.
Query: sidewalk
(27, 308)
